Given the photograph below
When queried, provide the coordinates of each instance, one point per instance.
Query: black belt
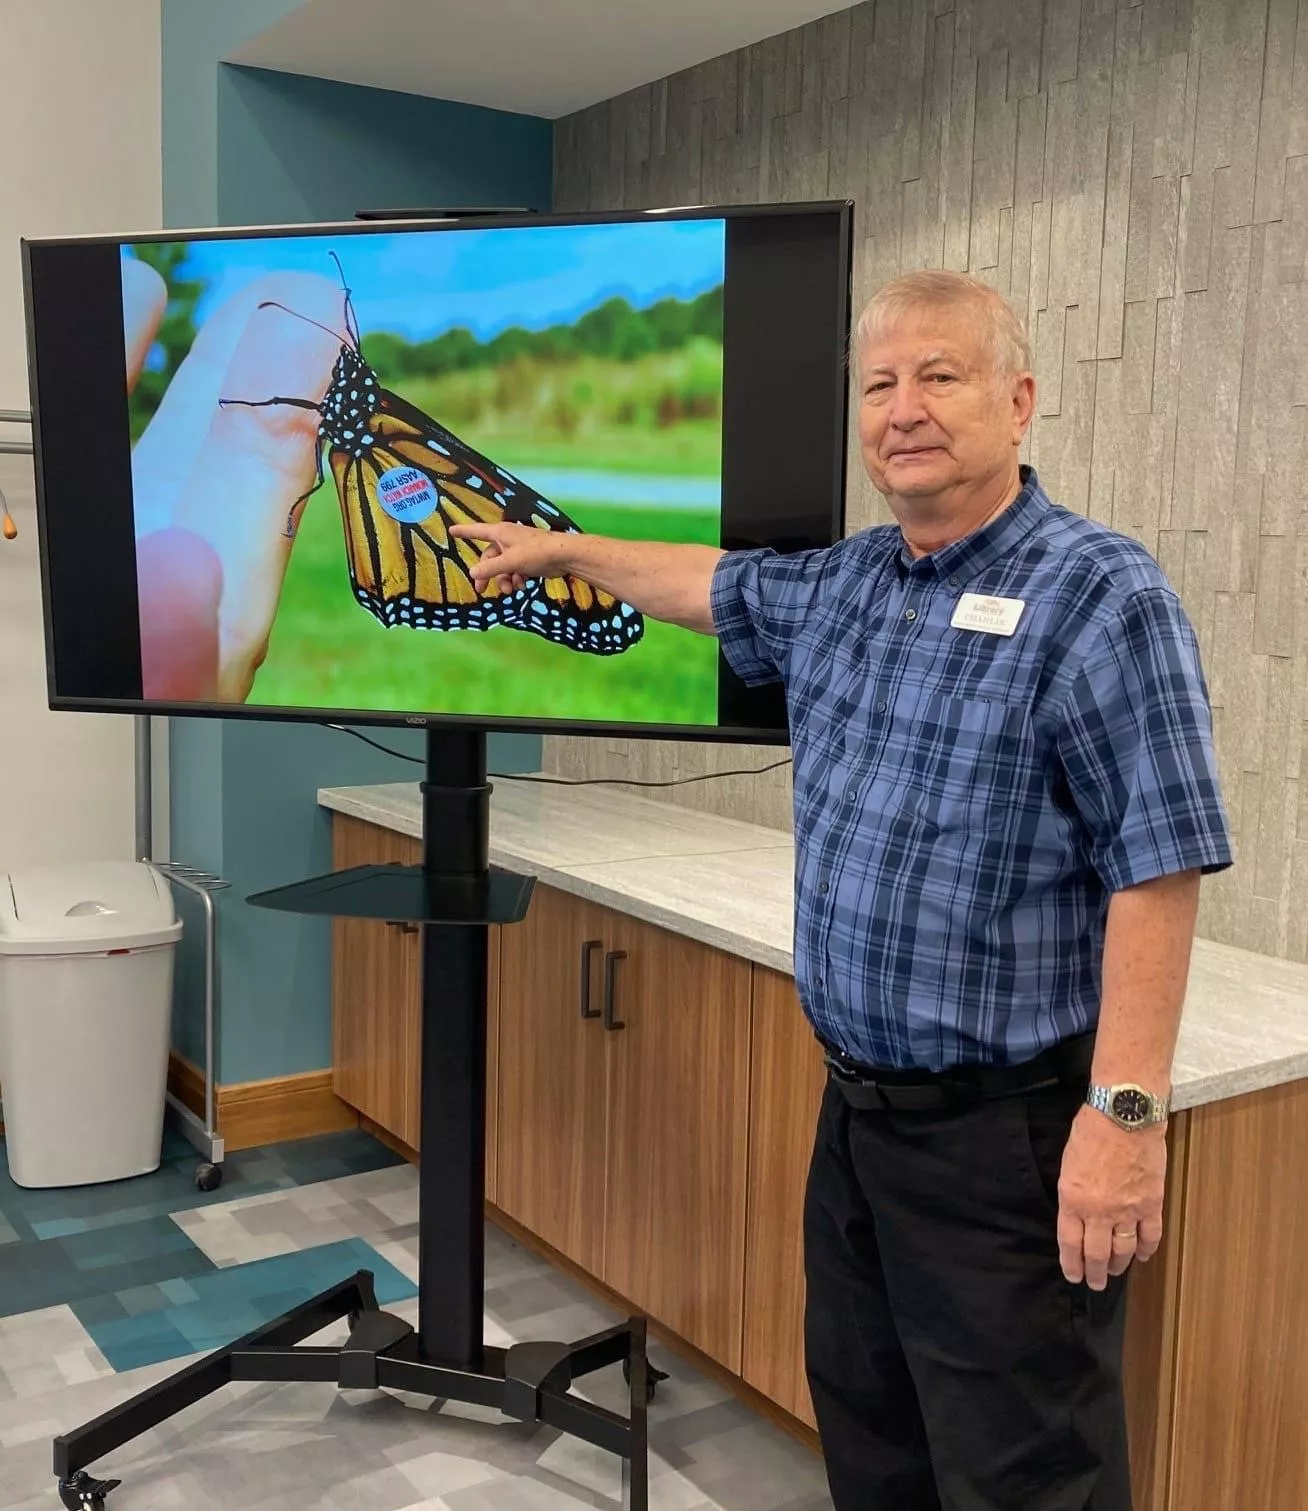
(870, 1090)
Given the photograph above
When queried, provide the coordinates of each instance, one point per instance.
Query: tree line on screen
(614, 331)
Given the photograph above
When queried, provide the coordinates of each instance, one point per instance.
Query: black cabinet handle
(611, 959)
(588, 948)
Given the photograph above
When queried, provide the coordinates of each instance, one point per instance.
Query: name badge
(992, 616)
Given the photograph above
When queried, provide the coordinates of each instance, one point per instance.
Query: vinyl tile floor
(106, 1290)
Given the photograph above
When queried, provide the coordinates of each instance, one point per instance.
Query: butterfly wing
(414, 573)
(473, 489)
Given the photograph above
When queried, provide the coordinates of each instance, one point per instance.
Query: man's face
(934, 417)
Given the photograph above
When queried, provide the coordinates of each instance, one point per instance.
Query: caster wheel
(208, 1177)
(82, 1493)
(652, 1378)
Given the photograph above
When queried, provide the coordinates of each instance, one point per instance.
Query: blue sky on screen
(418, 284)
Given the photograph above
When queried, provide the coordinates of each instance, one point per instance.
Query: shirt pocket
(967, 763)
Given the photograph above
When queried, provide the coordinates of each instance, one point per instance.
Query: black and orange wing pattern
(402, 481)
(411, 572)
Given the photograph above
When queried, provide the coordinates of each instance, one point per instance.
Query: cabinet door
(786, 1082)
(1240, 1401)
(375, 971)
(376, 1002)
(552, 1143)
(410, 943)
(492, 1061)
(674, 1231)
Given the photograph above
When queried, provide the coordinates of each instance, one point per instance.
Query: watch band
(1128, 1105)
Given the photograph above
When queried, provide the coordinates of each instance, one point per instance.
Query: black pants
(952, 1366)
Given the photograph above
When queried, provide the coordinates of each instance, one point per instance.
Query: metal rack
(204, 1134)
(15, 417)
(12, 448)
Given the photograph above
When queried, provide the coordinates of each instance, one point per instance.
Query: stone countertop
(731, 885)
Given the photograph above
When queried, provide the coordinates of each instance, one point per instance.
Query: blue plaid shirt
(965, 802)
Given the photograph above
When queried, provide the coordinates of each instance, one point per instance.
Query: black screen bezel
(80, 430)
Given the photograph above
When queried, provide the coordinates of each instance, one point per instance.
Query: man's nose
(906, 406)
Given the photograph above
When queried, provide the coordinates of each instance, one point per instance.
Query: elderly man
(1005, 795)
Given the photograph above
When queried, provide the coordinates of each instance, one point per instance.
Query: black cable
(563, 781)
(399, 755)
(630, 781)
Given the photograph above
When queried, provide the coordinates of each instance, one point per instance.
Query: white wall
(79, 151)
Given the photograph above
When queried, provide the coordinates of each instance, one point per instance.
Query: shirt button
(824, 887)
(953, 582)
(819, 983)
(881, 708)
(850, 795)
(911, 615)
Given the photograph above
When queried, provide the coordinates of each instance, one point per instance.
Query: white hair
(961, 293)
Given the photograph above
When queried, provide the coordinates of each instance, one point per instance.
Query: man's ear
(1023, 398)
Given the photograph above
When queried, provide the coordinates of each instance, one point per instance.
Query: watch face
(1131, 1106)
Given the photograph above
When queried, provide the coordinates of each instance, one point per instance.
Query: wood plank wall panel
(1135, 179)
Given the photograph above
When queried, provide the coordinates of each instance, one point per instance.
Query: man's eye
(940, 378)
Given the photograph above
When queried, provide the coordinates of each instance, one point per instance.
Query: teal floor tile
(229, 1303)
(61, 1212)
(59, 1271)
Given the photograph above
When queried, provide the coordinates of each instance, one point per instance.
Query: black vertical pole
(452, 1168)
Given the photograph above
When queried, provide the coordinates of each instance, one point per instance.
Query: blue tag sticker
(407, 495)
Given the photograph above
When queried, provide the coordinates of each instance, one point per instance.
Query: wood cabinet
(552, 1073)
(786, 1083)
(663, 1148)
(1240, 1369)
(375, 985)
(376, 990)
(678, 1120)
(603, 1154)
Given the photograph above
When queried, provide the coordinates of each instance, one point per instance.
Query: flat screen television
(249, 444)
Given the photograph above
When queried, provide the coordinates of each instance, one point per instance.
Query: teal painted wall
(247, 146)
(293, 148)
(195, 36)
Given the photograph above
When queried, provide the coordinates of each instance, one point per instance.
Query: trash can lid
(86, 907)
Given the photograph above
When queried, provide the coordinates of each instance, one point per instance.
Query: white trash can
(86, 977)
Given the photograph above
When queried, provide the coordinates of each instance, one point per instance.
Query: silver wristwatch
(1128, 1105)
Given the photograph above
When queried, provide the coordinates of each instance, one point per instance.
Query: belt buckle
(832, 1059)
(870, 1096)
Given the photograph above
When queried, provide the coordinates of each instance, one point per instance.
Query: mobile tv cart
(453, 896)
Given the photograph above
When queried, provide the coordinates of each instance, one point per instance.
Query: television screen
(250, 445)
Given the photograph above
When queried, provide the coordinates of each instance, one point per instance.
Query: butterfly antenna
(272, 304)
(351, 324)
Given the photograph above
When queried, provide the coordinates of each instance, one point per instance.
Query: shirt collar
(966, 558)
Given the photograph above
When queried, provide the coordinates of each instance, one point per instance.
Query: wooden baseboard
(265, 1112)
(384, 1136)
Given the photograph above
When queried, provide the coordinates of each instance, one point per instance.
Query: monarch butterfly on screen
(402, 481)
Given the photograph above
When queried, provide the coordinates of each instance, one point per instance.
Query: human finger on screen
(164, 458)
(249, 466)
(145, 297)
(179, 578)
(180, 582)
